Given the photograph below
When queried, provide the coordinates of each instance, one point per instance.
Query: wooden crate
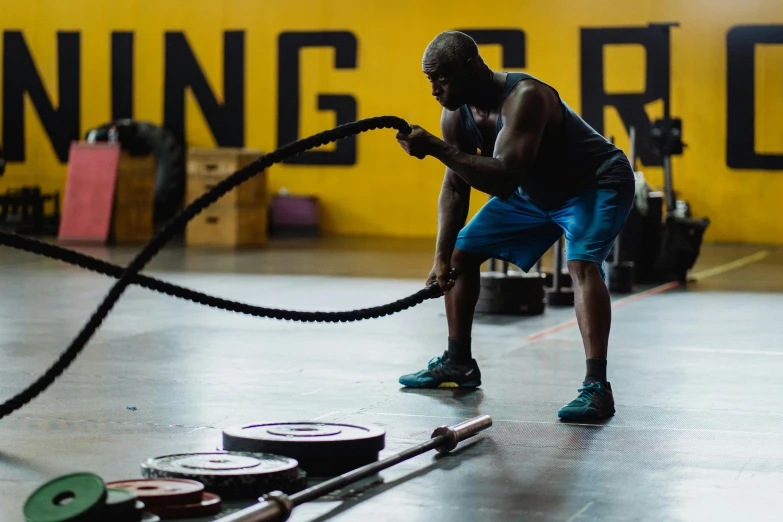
(228, 227)
(207, 167)
(132, 225)
(134, 199)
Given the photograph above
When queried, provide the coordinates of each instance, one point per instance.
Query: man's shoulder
(531, 95)
(451, 125)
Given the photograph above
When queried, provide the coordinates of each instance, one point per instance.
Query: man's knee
(582, 271)
(466, 261)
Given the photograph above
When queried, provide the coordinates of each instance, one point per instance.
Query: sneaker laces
(435, 361)
(587, 392)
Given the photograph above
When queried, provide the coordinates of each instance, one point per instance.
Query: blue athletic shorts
(519, 232)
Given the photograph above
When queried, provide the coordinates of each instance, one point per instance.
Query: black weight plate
(515, 293)
(120, 504)
(303, 440)
(230, 474)
(620, 277)
(565, 297)
(331, 467)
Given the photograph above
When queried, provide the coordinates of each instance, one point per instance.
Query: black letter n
(20, 76)
(226, 121)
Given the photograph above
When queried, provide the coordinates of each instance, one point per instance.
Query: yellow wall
(387, 192)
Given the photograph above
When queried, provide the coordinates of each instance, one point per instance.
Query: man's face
(447, 81)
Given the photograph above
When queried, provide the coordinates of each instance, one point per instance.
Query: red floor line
(617, 304)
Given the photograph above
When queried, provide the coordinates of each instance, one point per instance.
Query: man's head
(454, 67)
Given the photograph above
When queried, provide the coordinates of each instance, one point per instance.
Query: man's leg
(461, 303)
(511, 229)
(594, 315)
(456, 368)
(591, 223)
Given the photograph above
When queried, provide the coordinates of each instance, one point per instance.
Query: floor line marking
(727, 351)
(325, 415)
(617, 304)
(581, 511)
(601, 426)
(726, 267)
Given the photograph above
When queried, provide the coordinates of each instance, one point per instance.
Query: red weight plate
(210, 505)
(156, 492)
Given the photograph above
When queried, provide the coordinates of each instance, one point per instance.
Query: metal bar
(632, 147)
(278, 506)
(667, 181)
(365, 471)
(557, 270)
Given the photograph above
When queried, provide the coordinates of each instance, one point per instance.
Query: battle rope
(102, 267)
(176, 224)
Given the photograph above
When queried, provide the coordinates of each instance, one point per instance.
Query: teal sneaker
(595, 402)
(442, 372)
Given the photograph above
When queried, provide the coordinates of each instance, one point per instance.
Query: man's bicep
(453, 133)
(525, 119)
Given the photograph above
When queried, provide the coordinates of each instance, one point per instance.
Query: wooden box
(228, 227)
(134, 199)
(132, 225)
(207, 167)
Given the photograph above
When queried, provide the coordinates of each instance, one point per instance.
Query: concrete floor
(698, 433)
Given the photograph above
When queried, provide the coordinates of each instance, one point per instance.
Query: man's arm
(526, 113)
(454, 199)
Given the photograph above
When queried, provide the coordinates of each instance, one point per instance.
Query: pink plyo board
(89, 192)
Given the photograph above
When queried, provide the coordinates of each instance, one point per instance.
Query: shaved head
(455, 68)
(451, 47)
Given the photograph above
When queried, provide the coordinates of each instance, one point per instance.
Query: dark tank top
(568, 163)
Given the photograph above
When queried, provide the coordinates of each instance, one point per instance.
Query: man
(549, 174)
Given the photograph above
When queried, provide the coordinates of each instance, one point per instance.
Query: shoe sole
(586, 417)
(471, 384)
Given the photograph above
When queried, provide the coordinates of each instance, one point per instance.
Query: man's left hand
(418, 143)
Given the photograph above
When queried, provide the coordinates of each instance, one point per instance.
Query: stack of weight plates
(84, 497)
(322, 449)
(172, 498)
(231, 474)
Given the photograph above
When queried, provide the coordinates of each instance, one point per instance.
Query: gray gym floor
(698, 433)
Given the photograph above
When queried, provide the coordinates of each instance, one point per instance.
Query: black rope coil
(102, 267)
(130, 274)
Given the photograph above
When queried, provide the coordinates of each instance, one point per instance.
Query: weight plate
(70, 498)
(121, 504)
(620, 277)
(230, 474)
(303, 440)
(515, 293)
(157, 492)
(331, 467)
(209, 505)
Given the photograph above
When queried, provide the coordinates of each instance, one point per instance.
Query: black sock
(596, 371)
(459, 350)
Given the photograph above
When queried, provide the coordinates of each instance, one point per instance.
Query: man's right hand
(440, 274)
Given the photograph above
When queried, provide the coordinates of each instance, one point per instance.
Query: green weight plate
(232, 475)
(70, 498)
